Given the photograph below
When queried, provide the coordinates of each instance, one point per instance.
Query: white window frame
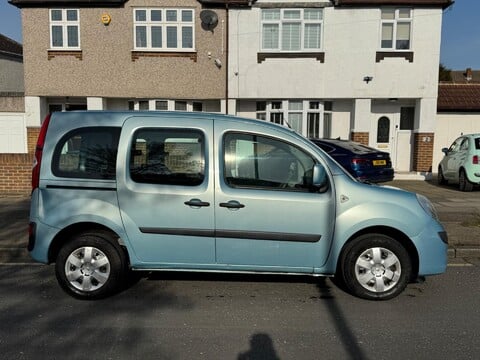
(189, 104)
(283, 20)
(64, 23)
(394, 22)
(163, 24)
(286, 109)
(314, 111)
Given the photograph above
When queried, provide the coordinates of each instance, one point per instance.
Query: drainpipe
(226, 55)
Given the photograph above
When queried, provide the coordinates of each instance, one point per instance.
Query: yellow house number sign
(106, 19)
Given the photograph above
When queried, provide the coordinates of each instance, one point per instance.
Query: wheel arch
(395, 234)
(79, 228)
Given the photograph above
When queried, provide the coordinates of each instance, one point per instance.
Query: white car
(461, 163)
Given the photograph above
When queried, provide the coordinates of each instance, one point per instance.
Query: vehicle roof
(116, 118)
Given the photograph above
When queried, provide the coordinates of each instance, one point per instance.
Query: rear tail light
(37, 160)
(475, 160)
(360, 162)
(31, 236)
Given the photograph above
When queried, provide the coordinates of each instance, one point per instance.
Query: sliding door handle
(196, 203)
(232, 204)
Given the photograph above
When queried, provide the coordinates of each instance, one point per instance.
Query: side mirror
(445, 151)
(319, 178)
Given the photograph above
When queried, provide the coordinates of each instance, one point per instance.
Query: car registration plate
(379, 162)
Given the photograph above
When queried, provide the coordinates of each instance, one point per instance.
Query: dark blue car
(363, 162)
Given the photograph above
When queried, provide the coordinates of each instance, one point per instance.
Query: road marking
(21, 264)
(460, 265)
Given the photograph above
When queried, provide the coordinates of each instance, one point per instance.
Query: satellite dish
(209, 19)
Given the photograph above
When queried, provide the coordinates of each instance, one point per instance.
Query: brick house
(365, 70)
(15, 162)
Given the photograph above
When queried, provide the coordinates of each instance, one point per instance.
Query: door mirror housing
(319, 178)
(445, 151)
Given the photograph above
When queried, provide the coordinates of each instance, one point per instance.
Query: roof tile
(458, 97)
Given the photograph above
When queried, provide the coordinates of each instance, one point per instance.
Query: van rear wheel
(375, 267)
(90, 266)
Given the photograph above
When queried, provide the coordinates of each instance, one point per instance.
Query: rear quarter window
(477, 143)
(87, 153)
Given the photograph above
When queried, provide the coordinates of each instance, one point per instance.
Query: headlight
(427, 206)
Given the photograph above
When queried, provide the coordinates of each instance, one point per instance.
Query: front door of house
(393, 133)
(384, 132)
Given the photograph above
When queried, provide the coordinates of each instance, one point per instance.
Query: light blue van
(121, 191)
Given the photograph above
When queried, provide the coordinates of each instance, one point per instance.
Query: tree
(444, 73)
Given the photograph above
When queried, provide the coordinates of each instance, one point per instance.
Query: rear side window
(168, 156)
(477, 143)
(88, 153)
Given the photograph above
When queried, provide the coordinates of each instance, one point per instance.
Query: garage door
(12, 133)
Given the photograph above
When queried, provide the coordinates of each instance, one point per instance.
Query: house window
(407, 118)
(66, 107)
(180, 106)
(161, 105)
(295, 115)
(65, 29)
(327, 119)
(197, 106)
(261, 110)
(276, 113)
(396, 29)
(159, 29)
(312, 118)
(291, 29)
(383, 129)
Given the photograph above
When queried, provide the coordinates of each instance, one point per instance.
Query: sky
(460, 48)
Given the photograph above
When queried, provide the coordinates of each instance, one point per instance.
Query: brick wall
(423, 152)
(360, 137)
(16, 169)
(15, 173)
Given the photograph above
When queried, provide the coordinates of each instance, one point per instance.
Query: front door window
(383, 129)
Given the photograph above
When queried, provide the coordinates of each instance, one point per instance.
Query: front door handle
(196, 203)
(232, 204)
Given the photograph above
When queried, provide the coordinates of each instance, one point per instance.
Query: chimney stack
(468, 74)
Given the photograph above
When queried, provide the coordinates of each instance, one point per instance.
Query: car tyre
(375, 267)
(463, 182)
(441, 179)
(91, 266)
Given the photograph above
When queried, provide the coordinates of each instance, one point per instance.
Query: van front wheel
(90, 266)
(375, 267)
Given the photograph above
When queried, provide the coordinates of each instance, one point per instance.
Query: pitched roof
(80, 3)
(458, 97)
(467, 76)
(227, 2)
(10, 47)
(438, 3)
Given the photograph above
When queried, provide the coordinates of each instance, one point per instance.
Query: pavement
(458, 211)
